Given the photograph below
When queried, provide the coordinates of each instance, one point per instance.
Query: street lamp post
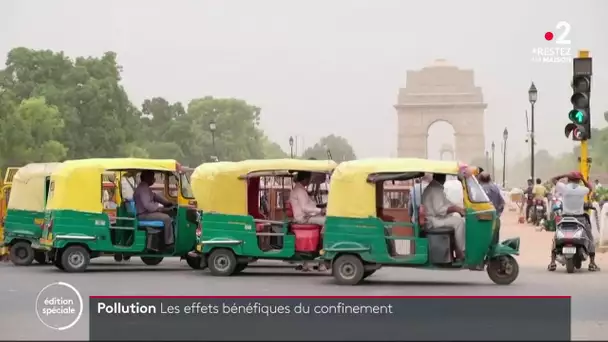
(493, 162)
(487, 161)
(212, 128)
(532, 97)
(291, 147)
(505, 136)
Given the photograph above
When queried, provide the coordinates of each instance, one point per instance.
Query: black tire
(118, 257)
(503, 270)
(570, 265)
(222, 262)
(194, 262)
(578, 263)
(240, 268)
(22, 253)
(348, 270)
(57, 260)
(75, 259)
(41, 258)
(368, 273)
(151, 261)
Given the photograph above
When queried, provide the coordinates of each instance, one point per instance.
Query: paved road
(20, 285)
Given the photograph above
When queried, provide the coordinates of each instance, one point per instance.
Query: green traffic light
(577, 116)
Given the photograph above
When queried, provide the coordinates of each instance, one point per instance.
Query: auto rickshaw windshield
(186, 188)
(476, 193)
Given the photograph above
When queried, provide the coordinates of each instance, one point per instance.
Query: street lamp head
(290, 141)
(212, 126)
(505, 134)
(532, 94)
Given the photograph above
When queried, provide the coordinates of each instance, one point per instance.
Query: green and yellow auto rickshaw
(359, 239)
(25, 213)
(80, 225)
(235, 231)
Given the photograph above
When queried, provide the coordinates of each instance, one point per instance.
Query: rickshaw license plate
(539, 207)
(569, 250)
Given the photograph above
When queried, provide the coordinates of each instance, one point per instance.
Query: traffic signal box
(580, 115)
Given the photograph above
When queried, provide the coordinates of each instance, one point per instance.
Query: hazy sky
(320, 67)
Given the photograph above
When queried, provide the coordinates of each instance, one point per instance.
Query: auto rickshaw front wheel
(222, 262)
(503, 269)
(22, 253)
(348, 269)
(75, 259)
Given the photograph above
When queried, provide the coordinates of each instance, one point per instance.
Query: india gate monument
(441, 92)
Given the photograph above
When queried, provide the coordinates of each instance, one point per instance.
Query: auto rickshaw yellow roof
(76, 184)
(351, 195)
(222, 187)
(390, 165)
(28, 186)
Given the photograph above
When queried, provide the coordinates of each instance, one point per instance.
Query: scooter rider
(540, 193)
(573, 204)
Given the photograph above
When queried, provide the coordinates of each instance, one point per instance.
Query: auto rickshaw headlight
(322, 252)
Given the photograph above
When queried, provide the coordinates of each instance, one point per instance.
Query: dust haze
(322, 67)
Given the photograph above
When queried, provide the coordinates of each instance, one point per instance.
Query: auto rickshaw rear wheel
(151, 261)
(22, 253)
(194, 262)
(41, 258)
(348, 269)
(503, 269)
(75, 259)
(222, 262)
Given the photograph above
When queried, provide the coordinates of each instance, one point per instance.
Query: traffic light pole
(584, 159)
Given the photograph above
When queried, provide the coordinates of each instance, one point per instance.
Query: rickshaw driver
(149, 205)
(439, 211)
(304, 208)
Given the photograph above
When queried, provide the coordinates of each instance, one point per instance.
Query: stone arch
(439, 145)
(441, 92)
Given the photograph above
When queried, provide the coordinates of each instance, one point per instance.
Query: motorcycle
(571, 243)
(539, 212)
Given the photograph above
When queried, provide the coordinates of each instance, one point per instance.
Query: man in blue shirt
(495, 196)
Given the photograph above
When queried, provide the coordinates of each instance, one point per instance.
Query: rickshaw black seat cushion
(438, 231)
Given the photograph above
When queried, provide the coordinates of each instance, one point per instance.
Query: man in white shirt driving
(304, 208)
(440, 212)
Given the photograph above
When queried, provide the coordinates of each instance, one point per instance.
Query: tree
(339, 148)
(272, 150)
(95, 109)
(53, 107)
(237, 135)
(29, 133)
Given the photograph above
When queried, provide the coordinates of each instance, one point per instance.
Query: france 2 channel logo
(557, 47)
